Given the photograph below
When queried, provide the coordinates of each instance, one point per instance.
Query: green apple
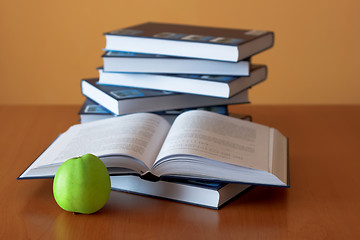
(82, 184)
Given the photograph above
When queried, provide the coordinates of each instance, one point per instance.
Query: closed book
(224, 44)
(91, 111)
(208, 85)
(115, 61)
(123, 100)
(206, 194)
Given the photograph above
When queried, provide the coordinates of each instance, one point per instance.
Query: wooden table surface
(323, 201)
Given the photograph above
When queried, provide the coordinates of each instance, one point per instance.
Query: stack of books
(202, 158)
(170, 68)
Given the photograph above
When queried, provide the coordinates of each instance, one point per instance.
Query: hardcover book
(213, 43)
(123, 100)
(91, 111)
(153, 63)
(199, 145)
(206, 194)
(208, 85)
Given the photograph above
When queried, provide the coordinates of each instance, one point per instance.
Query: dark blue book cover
(181, 32)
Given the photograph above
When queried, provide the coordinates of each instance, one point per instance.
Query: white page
(219, 137)
(136, 135)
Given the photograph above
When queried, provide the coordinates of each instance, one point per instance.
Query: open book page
(214, 136)
(139, 136)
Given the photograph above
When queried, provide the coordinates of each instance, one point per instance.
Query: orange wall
(46, 47)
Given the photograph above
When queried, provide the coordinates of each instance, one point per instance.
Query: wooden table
(322, 203)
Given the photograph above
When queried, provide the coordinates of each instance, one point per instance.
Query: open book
(198, 145)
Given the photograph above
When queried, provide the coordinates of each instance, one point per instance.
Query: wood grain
(323, 201)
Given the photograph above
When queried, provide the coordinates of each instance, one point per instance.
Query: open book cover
(209, 85)
(224, 44)
(198, 145)
(115, 61)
